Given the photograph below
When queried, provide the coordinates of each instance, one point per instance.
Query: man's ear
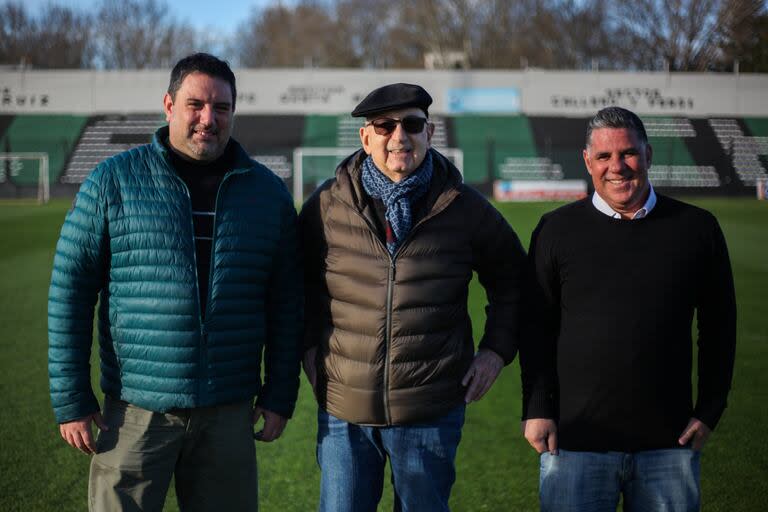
(365, 140)
(587, 163)
(168, 106)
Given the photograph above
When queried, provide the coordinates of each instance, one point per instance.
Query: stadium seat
(104, 137)
(744, 150)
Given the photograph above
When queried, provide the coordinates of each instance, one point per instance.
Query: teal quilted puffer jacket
(128, 240)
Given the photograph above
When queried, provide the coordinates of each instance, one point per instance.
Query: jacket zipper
(388, 337)
(388, 321)
(211, 265)
(213, 237)
(390, 291)
(201, 324)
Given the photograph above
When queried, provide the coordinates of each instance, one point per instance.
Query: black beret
(393, 97)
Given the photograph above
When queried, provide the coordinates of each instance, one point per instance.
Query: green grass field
(496, 469)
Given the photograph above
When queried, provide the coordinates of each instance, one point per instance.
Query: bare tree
(431, 26)
(364, 26)
(58, 38)
(136, 34)
(680, 35)
(744, 38)
(65, 39)
(16, 33)
(353, 33)
(540, 33)
(499, 34)
(579, 35)
(496, 34)
(302, 36)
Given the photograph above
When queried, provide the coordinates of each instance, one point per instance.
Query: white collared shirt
(603, 207)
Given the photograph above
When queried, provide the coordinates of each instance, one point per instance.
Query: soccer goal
(24, 168)
(312, 166)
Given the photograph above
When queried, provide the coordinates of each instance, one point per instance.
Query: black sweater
(608, 352)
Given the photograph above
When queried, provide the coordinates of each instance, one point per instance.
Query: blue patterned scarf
(397, 197)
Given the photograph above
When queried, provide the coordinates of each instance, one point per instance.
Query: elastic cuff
(507, 354)
(539, 405)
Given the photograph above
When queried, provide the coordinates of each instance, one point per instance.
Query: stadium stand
(673, 165)
(709, 130)
(348, 132)
(522, 168)
(706, 150)
(107, 136)
(743, 149)
(271, 139)
(55, 135)
(668, 127)
(683, 176)
(689, 154)
(491, 145)
(266, 137)
(320, 131)
(561, 139)
(5, 122)
(757, 126)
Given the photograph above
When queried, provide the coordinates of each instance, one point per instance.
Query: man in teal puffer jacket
(190, 247)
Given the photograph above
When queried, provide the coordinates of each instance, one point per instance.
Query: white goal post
(16, 167)
(336, 155)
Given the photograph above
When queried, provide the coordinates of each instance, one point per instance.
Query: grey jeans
(210, 450)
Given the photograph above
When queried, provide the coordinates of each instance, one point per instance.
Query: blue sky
(219, 15)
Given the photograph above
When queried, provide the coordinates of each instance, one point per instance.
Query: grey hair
(616, 117)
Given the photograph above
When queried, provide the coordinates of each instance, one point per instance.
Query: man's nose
(207, 115)
(616, 164)
(399, 133)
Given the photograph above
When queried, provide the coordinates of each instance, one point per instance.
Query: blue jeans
(650, 481)
(421, 456)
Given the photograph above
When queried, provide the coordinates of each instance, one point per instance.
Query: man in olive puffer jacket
(390, 246)
(190, 247)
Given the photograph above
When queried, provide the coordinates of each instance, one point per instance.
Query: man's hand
(309, 367)
(541, 433)
(274, 424)
(696, 432)
(77, 433)
(481, 374)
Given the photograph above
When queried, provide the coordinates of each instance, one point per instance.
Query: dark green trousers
(209, 450)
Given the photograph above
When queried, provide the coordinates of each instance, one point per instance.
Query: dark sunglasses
(386, 125)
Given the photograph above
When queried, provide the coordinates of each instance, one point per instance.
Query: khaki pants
(210, 450)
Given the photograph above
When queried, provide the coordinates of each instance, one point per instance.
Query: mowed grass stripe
(496, 469)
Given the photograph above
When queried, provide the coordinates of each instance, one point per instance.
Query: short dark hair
(616, 117)
(202, 63)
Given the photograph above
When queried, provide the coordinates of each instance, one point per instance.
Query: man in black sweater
(606, 363)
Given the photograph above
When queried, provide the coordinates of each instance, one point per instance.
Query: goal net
(312, 166)
(27, 169)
